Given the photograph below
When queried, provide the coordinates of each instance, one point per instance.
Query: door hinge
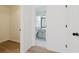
(66, 6)
(66, 46)
(66, 26)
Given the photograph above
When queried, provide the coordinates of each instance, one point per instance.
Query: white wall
(15, 23)
(4, 23)
(55, 32)
(9, 23)
(27, 28)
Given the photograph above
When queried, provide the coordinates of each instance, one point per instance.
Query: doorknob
(75, 34)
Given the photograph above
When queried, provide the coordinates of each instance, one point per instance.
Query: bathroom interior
(40, 26)
(9, 29)
(40, 31)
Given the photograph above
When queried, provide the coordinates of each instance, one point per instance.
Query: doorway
(40, 27)
(9, 29)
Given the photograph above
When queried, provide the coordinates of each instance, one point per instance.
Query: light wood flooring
(38, 49)
(9, 47)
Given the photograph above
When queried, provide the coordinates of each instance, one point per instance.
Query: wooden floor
(9, 47)
(38, 49)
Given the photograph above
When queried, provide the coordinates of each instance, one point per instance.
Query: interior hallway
(9, 47)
